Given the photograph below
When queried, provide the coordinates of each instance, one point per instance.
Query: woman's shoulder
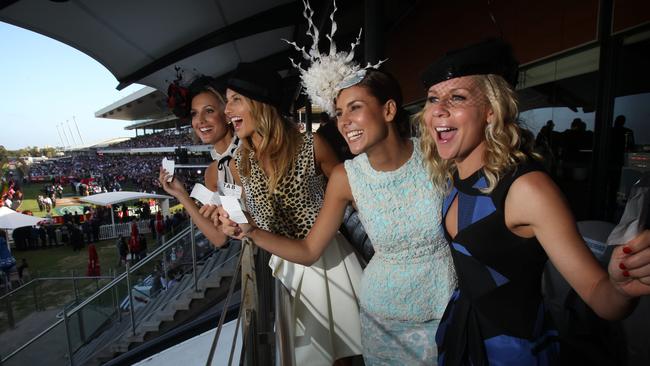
(523, 182)
(356, 164)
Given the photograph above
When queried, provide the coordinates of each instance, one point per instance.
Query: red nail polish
(627, 250)
(621, 266)
(626, 273)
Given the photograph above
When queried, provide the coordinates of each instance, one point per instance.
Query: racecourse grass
(31, 192)
(60, 261)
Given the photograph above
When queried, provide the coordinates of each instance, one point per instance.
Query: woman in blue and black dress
(504, 217)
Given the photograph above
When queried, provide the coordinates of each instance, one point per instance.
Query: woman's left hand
(629, 267)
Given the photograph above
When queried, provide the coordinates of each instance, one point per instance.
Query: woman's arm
(535, 205)
(176, 189)
(325, 156)
(308, 250)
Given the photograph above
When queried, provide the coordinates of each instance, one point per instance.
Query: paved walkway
(52, 348)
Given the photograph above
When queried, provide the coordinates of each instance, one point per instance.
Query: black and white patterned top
(223, 173)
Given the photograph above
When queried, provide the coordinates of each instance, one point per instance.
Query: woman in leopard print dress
(282, 173)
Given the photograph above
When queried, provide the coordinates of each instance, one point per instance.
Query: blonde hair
(280, 143)
(222, 110)
(503, 136)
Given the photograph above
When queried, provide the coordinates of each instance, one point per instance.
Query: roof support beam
(278, 17)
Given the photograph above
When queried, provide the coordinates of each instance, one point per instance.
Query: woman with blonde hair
(210, 126)
(283, 175)
(504, 217)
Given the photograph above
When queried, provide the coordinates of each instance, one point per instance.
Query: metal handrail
(215, 340)
(106, 288)
(135, 267)
(239, 316)
(54, 279)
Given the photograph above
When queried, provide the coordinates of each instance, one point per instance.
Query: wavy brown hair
(280, 142)
(503, 136)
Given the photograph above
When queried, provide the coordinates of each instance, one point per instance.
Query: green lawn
(62, 260)
(31, 192)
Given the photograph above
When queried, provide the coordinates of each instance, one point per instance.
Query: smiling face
(361, 119)
(456, 115)
(238, 112)
(208, 121)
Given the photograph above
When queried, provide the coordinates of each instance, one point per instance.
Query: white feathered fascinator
(331, 72)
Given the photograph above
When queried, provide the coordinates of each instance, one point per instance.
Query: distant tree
(21, 165)
(3, 155)
(50, 152)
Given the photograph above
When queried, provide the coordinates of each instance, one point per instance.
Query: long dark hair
(385, 87)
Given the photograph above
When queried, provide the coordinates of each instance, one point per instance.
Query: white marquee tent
(111, 198)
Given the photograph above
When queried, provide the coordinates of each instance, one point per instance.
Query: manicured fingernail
(621, 266)
(626, 273)
(627, 250)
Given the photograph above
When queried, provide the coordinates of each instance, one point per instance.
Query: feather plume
(327, 73)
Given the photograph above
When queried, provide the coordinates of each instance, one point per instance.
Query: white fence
(106, 231)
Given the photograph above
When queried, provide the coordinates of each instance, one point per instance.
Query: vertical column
(609, 51)
(373, 30)
(128, 288)
(193, 244)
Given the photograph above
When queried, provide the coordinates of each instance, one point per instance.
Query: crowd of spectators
(11, 194)
(160, 139)
(112, 172)
(109, 172)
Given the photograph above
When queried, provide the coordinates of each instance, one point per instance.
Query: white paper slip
(233, 208)
(230, 189)
(169, 165)
(634, 217)
(204, 195)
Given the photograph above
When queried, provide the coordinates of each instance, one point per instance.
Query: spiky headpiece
(331, 72)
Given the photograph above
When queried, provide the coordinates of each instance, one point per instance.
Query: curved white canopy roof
(142, 41)
(111, 198)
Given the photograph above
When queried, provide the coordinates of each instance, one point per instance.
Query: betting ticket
(169, 165)
(204, 195)
(233, 207)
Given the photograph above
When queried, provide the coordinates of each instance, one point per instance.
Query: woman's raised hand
(175, 187)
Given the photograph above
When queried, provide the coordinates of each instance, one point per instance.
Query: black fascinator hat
(492, 56)
(257, 83)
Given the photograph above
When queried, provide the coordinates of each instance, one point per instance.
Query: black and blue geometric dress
(496, 315)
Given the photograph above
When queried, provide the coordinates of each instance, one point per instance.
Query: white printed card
(233, 207)
(202, 194)
(169, 165)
